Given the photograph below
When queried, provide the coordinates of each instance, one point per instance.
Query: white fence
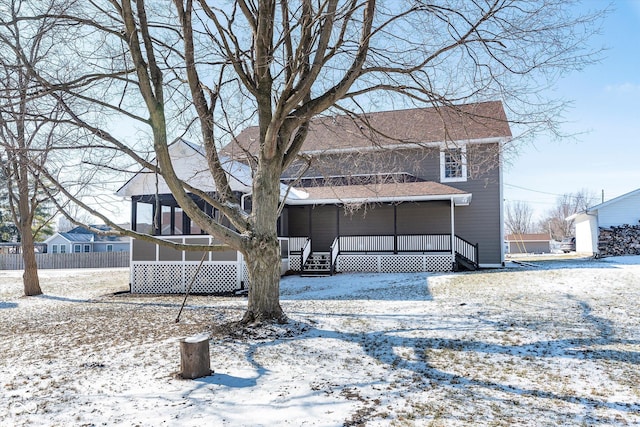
(71, 260)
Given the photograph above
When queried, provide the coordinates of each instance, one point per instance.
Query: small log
(195, 361)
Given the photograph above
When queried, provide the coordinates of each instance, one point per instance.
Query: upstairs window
(453, 165)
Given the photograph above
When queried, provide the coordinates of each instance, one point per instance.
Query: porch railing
(417, 243)
(424, 243)
(297, 243)
(408, 243)
(395, 244)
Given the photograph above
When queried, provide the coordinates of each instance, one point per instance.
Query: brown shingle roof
(419, 125)
(428, 190)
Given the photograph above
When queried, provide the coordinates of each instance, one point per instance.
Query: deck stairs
(464, 263)
(318, 264)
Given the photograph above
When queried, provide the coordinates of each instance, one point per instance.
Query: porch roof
(383, 193)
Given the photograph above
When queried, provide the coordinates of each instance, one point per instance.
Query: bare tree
(519, 217)
(27, 130)
(208, 69)
(566, 205)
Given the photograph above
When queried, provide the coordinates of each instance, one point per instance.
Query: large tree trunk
(30, 278)
(263, 262)
(262, 252)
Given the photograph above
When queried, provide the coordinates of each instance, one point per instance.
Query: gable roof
(190, 164)
(82, 235)
(604, 204)
(468, 122)
(78, 237)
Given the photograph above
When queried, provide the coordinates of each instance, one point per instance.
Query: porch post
(453, 230)
(395, 229)
(134, 214)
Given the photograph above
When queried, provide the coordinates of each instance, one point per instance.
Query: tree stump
(195, 361)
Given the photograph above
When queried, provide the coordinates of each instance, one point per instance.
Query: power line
(532, 190)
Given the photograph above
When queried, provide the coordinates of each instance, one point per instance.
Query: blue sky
(605, 115)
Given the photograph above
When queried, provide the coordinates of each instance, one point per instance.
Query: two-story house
(403, 190)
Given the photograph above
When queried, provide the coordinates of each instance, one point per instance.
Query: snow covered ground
(554, 344)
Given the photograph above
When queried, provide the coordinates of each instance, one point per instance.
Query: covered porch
(388, 227)
(385, 254)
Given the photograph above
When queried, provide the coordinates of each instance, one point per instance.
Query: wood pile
(622, 240)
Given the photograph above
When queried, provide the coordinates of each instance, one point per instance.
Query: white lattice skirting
(174, 277)
(394, 263)
(215, 277)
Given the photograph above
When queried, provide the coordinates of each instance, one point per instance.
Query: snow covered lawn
(557, 344)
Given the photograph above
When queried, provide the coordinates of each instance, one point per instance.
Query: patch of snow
(557, 344)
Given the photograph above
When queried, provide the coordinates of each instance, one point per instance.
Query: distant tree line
(519, 215)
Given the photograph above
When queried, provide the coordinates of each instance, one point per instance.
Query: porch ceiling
(383, 193)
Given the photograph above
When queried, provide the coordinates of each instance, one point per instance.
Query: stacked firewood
(622, 240)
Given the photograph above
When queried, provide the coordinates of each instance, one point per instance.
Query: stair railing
(305, 252)
(466, 249)
(334, 252)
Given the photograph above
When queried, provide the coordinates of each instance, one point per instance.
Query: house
(81, 240)
(404, 190)
(530, 243)
(609, 228)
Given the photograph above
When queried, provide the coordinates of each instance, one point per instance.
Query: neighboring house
(81, 240)
(593, 223)
(531, 243)
(425, 196)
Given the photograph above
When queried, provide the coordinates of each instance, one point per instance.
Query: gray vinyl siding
(325, 227)
(298, 221)
(424, 218)
(413, 161)
(480, 222)
(143, 251)
(368, 220)
(195, 255)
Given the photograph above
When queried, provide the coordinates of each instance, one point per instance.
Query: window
(87, 248)
(453, 165)
(63, 249)
(76, 249)
(109, 248)
(54, 249)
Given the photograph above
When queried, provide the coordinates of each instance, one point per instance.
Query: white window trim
(54, 249)
(77, 248)
(109, 248)
(463, 152)
(63, 249)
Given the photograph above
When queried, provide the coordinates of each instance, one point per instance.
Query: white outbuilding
(618, 212)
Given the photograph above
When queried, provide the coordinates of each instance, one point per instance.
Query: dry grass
(557, 345)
